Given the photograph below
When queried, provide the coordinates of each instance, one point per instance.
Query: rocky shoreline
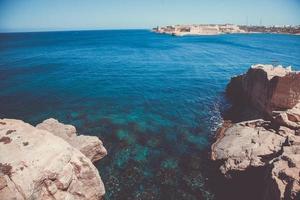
(263, 129)
(260, 136)
(49, 161)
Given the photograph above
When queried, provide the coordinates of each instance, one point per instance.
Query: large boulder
(91, 146)
(36, 164)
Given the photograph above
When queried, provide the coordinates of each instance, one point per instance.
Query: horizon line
(128, 28)
(73, 30)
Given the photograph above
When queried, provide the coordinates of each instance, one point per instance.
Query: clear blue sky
(43, 15)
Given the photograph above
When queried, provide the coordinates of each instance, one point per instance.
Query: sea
(154, 100)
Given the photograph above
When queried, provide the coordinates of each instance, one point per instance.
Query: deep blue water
(154, 100)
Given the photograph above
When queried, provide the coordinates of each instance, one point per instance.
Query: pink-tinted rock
(245, 145)
(267, 87)
(284, 178)
(289, 117)
(273, 90)
(91, 146)
(274, 144)
(47, 167)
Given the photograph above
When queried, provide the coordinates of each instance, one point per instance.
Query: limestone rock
(246, 144)
(274, 144)
(257, 143)
(90, 146)
(36, 164)
(289, 118)
(269, 88)
(284, 178)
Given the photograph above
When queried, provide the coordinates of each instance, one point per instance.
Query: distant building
(213, 29)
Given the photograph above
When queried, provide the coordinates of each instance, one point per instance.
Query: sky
(52, 15)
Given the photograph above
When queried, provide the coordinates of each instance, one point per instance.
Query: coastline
(229, 164)
(201, 34)
(219, 29)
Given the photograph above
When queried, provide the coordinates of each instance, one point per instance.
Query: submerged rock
(90, 146)
(273, 142)
(36, 164)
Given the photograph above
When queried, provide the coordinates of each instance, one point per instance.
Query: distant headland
(216, 29)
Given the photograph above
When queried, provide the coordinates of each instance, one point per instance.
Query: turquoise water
(154, 100)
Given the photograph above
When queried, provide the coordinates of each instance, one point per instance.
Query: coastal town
(216, 29)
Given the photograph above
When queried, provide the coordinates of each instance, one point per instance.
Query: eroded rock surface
(268, 87)
(274, 142)
(36, 164)
(273, 90)
(289, 117)
(90, 146)
(247, 144)
(285, 175)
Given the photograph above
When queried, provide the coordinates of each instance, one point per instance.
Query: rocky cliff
(274, 91)
(48, 162)
(273, 141)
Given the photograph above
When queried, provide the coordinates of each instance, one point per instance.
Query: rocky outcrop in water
(272, 142)
(37, 164)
